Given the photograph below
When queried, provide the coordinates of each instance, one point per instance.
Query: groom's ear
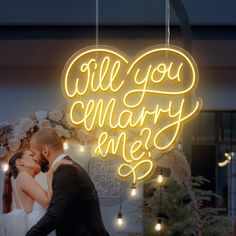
(45, 151)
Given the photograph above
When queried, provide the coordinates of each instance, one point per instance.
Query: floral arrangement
(14, 137)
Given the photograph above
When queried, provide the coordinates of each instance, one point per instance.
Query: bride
(31, 200)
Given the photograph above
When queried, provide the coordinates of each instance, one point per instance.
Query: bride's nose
(36, 159)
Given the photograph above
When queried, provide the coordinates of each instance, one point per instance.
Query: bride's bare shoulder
(23, 177)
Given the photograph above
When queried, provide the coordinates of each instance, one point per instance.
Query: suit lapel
(68, 158)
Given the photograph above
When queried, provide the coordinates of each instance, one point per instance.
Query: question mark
(148, 138)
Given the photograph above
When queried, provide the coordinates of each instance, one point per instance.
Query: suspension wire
(167, 22)
(121, 196)
(97, 23)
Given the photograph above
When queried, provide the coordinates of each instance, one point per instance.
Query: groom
(74, 209)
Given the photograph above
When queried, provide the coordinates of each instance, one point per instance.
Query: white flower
(41, 115)
(3, 152)
(85, 136)
(56, 115)
(4, 124)
(65, 122)
(62, 131)
(44, 124)
(14, 144)
(21, 129)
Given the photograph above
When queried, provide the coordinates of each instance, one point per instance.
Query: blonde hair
(47, 137)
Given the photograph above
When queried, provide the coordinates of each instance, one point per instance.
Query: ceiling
(111, 12)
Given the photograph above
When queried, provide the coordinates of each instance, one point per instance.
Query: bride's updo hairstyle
(12, 172)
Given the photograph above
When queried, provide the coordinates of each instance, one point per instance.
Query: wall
(122, 12)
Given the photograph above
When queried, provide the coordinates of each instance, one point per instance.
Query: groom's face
(38, 154)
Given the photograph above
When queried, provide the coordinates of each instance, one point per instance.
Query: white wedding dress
(18, 222)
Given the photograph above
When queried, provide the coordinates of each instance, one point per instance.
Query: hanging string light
(120, 219)
(66, 145)
(133, 192)
(82, 148)
(5, 167)
(160, 177)
(159, 221)
(229, 154)
(228, 157)
(158, 226)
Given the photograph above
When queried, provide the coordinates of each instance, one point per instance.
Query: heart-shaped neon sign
(135, 107)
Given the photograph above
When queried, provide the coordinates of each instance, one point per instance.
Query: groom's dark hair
(48, 137)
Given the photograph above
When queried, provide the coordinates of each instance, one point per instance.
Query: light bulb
(81, 148)
(5, 167)
(120, 219)
(133, 190)
(65, 145)
(158, 226)
(160, 178)
(223, 163)
(178, 146)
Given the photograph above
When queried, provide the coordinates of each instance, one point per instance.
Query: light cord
(160, 203)
(121, 197)
(167, 22)
(97, 23)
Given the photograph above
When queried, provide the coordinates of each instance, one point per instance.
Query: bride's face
(29, 162)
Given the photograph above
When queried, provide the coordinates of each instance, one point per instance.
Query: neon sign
(135, 107)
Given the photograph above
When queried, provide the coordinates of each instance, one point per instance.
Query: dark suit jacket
(74, 209)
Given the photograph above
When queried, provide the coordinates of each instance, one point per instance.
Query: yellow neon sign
(133, 106)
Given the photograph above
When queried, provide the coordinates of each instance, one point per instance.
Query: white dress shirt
(59, 158)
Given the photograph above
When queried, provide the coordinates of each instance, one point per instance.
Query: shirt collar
(59, 158)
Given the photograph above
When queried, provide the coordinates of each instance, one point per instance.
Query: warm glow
(133, 192)
(82, 148)
(120, 220)
(160, 179)
(5, 167)
(158, 227)
(65, 145)
(228, 158)
(107, 92)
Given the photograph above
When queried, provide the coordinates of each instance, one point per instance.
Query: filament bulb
(65, 145)
(82, 148)
(160, 178)
(158, 226)
(5, 167)
(133, 190)
(120, 220)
